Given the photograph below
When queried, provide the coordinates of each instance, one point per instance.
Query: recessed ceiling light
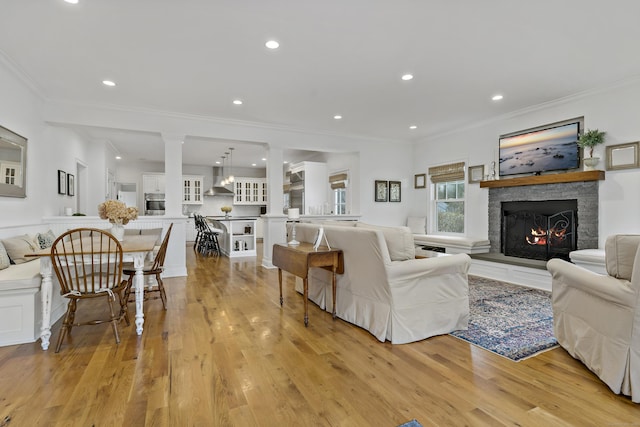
(108, 83)
(264, 159)
(253, 164)
(237, 101)
(117, 157)
(497, 97)
(337, 117)
(72, 1)
(272, 44)
(217, 162)
(413, 127)
(407, 77)
(285, 162)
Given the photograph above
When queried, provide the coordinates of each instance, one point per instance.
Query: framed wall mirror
(13, 164)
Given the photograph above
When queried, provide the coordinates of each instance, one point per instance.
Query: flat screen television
(549, 148)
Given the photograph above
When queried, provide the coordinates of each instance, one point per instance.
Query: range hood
(218, 189)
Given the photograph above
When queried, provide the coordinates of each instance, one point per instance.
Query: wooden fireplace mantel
(556, 178)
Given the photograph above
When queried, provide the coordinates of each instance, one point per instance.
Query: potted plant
(590, 139)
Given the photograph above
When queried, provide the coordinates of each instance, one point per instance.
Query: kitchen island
(238, 238)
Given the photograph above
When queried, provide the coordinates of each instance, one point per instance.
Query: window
(340, 201)
(338, 183)
(449, 207)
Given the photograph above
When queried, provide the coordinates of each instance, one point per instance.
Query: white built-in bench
(20, 297)
(452, 244)
(591, 259)
(446, 244)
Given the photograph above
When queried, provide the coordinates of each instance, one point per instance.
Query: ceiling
(194, 57)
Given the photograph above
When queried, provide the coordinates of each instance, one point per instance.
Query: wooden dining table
(134, 247)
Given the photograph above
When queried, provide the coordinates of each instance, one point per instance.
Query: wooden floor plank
(225, 353)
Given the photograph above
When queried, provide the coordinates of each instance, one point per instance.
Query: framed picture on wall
(476, 173)
(622, 156)
(394, 191)
(420, 180)
(381, 191)
(71, 185)
(62, 182)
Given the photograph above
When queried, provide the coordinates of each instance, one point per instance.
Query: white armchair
(596, 318)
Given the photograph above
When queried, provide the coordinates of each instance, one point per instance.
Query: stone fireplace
(543, 221)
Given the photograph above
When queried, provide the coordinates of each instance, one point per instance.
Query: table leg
(280, 283)
(45, 293)
(306, 301)
(333, 285)
(138, 284)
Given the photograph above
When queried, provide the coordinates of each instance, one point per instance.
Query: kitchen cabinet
(190, 230)
(309, 189)
(192, 189)
(250, 191)
(153, 183)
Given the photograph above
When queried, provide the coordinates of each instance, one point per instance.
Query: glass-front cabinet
(192, 189)
(250, 191)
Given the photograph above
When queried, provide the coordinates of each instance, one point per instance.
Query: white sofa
(596, 317)
(384, 289)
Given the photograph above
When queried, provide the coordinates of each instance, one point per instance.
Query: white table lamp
(294, 214)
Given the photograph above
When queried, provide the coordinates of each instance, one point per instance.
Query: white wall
(614, 110)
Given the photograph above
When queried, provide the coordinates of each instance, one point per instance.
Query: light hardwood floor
(226, 354)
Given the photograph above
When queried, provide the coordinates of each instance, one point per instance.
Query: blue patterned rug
(513, 321)
(412, 423)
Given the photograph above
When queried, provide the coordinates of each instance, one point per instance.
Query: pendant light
(224, 179)
(231, 178)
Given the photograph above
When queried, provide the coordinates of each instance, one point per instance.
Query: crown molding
(538, 107)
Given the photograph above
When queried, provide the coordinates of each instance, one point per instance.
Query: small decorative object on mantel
(590, 139)
(118, 214)
(226, 210)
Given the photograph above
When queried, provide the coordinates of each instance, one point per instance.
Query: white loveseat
(596, 317)
(384, 289)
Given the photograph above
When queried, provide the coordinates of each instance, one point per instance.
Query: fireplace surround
(584, 193)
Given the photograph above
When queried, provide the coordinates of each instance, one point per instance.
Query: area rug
(513, 321)
(412, 423)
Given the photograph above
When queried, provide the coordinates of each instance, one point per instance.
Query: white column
(173, 173)
(274, 220)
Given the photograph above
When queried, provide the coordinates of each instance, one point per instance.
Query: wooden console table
(298, 259)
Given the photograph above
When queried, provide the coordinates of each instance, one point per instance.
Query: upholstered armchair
(596, 318)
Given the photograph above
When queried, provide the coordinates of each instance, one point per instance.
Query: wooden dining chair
(154, 268)
(88, 264)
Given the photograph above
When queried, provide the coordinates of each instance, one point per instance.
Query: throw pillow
(17, 247)
(620, 253)
(399, 241)
(45, 240)
(417, 224)
(5, 262)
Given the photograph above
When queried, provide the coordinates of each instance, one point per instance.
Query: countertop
(233, 218)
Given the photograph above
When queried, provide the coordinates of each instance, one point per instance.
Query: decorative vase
(118, 231)
(590, 163)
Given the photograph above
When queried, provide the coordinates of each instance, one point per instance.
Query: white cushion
(417, 224)
(620, 252)
(17, 247)
(399, 241)
(4, 258)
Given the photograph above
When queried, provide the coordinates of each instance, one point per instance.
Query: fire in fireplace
(539, 229)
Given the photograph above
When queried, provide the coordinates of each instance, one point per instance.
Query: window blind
(444, 173)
